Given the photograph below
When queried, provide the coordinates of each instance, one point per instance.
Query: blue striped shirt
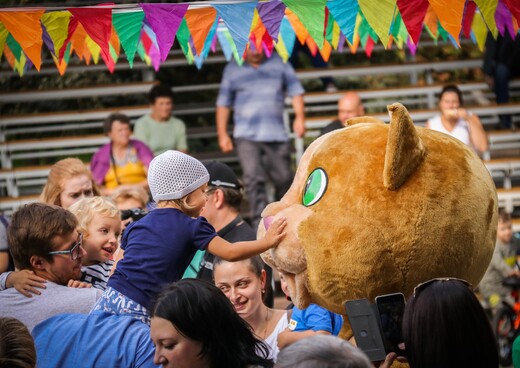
(257, 98)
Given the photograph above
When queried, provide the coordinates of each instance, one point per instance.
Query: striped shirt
(97, 274)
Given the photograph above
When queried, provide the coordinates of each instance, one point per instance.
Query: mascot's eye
(315, 187)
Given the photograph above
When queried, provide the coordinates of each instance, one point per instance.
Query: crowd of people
(143, 259)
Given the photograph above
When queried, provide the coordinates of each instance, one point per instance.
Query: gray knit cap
(173, 175)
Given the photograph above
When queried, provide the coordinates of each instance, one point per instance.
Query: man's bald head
(350, 106)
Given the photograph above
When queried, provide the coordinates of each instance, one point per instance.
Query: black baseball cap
(221, 175)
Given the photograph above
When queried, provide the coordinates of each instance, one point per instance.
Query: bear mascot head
(378, 208)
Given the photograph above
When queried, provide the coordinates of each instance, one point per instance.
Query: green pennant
(365, 30)
(442, 32)
(140, 51)
(66, 56)
(312, 15)
(330, 28)
(183, 36)
(128, 27)
(15, 47)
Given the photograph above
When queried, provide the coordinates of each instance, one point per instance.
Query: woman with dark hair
(16, 345)
(244, 283)
(457, 121)
(122, 161)
(444, 325)
(195, 326)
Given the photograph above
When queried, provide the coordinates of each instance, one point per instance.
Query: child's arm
(288, 337)
(25, 282)
(246, 249)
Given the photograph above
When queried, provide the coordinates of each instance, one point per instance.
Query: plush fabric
(402, 204)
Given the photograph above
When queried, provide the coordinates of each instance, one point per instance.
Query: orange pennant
(450, 14)
(299, 29)
(9, 56)
(78, 41)
(326, 50)
(25, 27)
(199, 22)
(258, 31)
(430, 20)
(313, 48)
(114, 41)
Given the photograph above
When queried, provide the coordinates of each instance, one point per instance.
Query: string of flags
(150, 29)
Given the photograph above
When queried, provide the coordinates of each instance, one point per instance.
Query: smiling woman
(243, 283)
(69, 180)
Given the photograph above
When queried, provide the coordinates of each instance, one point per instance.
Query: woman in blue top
(159, 247)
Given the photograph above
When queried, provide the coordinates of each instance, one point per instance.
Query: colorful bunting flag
(3, 36)
(311, 14)
(345, 12)
(56, 26)
(450, 14)
(413, 13)
(469, 13)
(26, 29)
(271, 13)
(165, 20)
(199, 22)
(379, 16)
(514, 8)
(128, 27)
(487, 9)
(238, 18)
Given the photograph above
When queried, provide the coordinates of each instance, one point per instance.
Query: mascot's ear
(362, 119)
(404, 149)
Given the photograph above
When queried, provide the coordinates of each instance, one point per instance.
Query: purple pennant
(411, 46)
(165, 20)
(271, 14)
(47, 39)
(504, 20)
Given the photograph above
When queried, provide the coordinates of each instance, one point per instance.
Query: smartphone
(391, 308)
(364, 325)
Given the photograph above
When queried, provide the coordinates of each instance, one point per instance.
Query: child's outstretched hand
(25, 282)
(275, 232)
(78, 284)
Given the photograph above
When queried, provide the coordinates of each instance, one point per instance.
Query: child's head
(505, 227)
(178, 180)
(126, 198)
(100, 223)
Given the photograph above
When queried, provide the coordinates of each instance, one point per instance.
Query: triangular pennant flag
(115, 46)
(199, 59)
(487, 9)
(514, 8)
(288, 35)
(379, 16)
(365, 31)
(312, 15)
(297, 26)
(257, 32)
(199, 22)
(469, 13)
(311, 45)
(413, 13)
(325, 51)
(267, 44)
(329, 25)
(183, 37)
(431, 22)
(128, 26)
(504, 20)
(19, 65)
(480, 30)
(3, 36)
(97, 22)
(26, 29)
(335, 36)
(56, 25)
(271, 13)
(9, 56)
(225, 45)
(94, 48)
(345, 12)
(450, 14)
(369, 47)
(165, 20)
(14, 47)
(238, 18)
(47, 40)
(77, 39)
(412, 47)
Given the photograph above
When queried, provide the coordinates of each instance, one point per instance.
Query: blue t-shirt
(158, 248)
(315, 318)
(257, 98)
(93, 340)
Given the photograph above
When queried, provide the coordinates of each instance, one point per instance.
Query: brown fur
(402, 205)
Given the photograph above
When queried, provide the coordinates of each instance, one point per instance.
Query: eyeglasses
(424, 285)
(75, 251)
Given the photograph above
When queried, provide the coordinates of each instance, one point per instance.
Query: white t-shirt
(272, 339)
(460, 131)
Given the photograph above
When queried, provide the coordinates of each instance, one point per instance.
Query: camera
(133, 213)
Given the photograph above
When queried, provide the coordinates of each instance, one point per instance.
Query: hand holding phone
(391, 309)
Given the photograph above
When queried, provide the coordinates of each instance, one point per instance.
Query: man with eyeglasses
(43, 239)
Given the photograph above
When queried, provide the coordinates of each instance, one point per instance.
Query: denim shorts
(112, 301)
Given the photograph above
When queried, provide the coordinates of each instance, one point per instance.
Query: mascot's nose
(268, 221)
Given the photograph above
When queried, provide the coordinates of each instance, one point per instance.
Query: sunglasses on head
(75, 251)
(424, 285)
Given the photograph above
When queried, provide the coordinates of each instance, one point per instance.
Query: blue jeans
(502, 76)
(261, 161)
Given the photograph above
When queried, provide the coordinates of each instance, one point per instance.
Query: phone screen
(391, 309)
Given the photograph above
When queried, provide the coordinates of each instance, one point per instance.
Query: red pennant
(469, 13)
(514, 8)
(369, 47)
(73, 24)
(98, 25)
(413, 13)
